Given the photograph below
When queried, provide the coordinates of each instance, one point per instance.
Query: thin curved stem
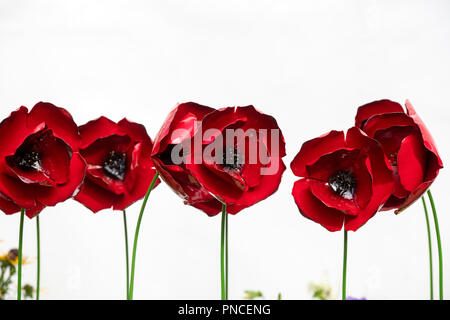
(344, 269)
(19, 264)
(430, 249)
(226, 256)
(438, 238)
(126, 251)
(38, 280)
(136, 235)
(222, 254)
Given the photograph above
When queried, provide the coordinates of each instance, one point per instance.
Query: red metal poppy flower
(40, 164)
(407, 144)
(119, 167)
(177, 130)
(345, 179)
(211, 181)
(237, 156)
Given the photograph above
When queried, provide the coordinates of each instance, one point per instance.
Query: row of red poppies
(386, 161)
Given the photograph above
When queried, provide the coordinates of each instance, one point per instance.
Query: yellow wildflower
(13, 257)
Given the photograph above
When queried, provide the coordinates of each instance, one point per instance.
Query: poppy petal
(98, 129)
(7, 205)
(184, 116)
(369, 110)
(94, 197)
(58, 120)
(411, 162)
(15, 128)
(144, 177)
(268, 185)
(413, 196)
(322, 191)
(382, 177)
(51, 196)
(427, 138)
(211, 207)
(33, 212)
(248, 120)
(363, 191)
(219, 184)
(328, 164)
(313, 209)
(313, 149)
(388, 121)
(137, 133)
(188, 188)
(21, 193)
(393, 203)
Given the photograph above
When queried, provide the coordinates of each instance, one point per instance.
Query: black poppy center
(115, 165)
(232, 159)
(343, 183)
(27, 159)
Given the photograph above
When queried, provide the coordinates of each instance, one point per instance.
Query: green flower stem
(19, 264)
(430, 249)
(344, 269)
(38, 235)
(438, 237)
(226, 255)
(223, 285)
(126, 251)
(136, 235)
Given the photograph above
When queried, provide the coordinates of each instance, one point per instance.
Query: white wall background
(310, 64)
